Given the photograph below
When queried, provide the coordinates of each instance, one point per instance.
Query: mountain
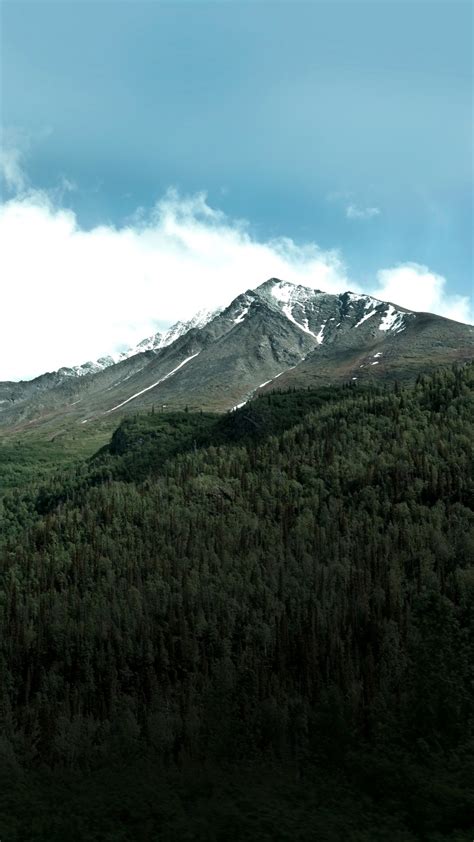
(60, 385)
(161, 340)
(279, 335)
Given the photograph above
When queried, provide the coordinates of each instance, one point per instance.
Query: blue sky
(342, 124)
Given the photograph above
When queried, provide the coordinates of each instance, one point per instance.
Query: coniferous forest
(254, 626)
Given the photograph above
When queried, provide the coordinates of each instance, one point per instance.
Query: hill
(255, 625)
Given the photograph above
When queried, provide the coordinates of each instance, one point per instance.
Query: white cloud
(352, 210)
(11, 170)
(355, 212)
(417, 288)
(69, 295)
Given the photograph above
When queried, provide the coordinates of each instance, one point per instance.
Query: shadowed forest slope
(250, 626)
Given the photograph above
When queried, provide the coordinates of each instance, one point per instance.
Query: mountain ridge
(279, 335)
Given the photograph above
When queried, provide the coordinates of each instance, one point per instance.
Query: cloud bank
(414, 286)
(69, 295)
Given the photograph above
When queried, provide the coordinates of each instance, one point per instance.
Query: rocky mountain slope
(277, 336)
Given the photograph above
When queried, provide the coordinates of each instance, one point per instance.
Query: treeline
(257, 626)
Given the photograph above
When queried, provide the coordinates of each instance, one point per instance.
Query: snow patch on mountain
(365, 317)
(150, 343)
(288, 293)
(198, 321)
(241, 317)
(392, 320)
(147, 389)
(283, 291)
(89, 367)
(287, 309)
(320, 335)
(293, 299)
(162, 340)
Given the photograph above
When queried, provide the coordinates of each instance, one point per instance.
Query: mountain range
(278, 335)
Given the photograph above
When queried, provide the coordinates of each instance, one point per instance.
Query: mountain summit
(278, 335)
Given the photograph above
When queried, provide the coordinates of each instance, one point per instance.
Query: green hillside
(254, 626)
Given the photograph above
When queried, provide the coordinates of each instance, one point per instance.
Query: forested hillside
(250, 626)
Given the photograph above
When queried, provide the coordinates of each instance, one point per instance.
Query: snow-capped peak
(321, 316)
(199, 320)
(312, 311)
(283, 292)
(90, 367)
(150, 343)
(161, 340)
(299, 304)
(289, 293)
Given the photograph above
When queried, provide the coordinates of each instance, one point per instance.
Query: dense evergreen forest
(256, 626)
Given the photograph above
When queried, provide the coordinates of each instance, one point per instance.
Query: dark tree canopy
(253, 626)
